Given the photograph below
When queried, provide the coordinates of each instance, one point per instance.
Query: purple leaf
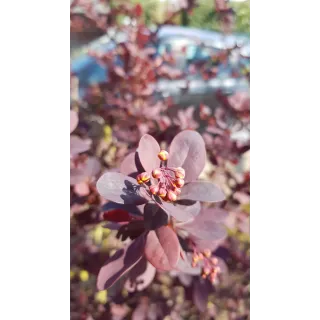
(193, 209)
(201, 292)
(78, 145)
(128, 165)
(178, 212)
(188, 151)
(223, 267)
(207, 224)
(140, 276)
(202, 191)
(162, 248)
(116, 187)
(215, 215)
(206, 244)
(148, 152)
(122, 261)
(154, 216)
(206, 230)
(134, 210)
(218, 215)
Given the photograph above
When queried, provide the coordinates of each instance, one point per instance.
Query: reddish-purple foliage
(167, 227)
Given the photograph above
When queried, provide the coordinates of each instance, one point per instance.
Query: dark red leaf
(117, 215)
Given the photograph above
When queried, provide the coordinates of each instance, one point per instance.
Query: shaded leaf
(122, 261)
(140, 276)
(162, 248)
(188, 151)
(201, 292)
(185, 279)
(154, 216)
(116, 187)
(131, 230)
(134, 210)
(202, 191)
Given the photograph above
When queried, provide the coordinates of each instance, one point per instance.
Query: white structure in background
(175, 5)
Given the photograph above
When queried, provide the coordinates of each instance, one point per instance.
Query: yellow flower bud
(179, 183)
(171, 196)
(163, 155)
(156, 173)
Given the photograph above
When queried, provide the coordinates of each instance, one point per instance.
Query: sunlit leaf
(202, 191)
(162, 248)
(148, 152)
(187, 150)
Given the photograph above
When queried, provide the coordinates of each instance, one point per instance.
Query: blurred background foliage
(203, 17)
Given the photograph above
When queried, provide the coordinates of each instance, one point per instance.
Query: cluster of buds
(209, 264)
(167, 182)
